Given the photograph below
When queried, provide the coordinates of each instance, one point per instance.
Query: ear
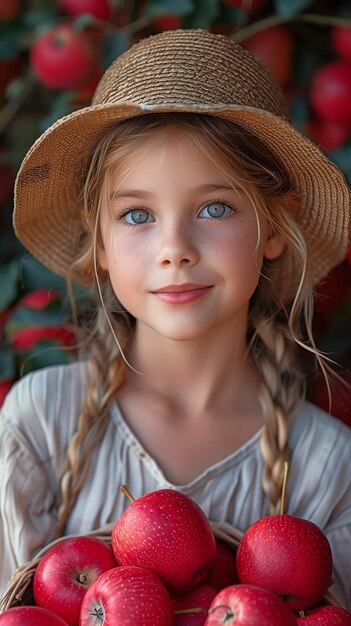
(274, 247)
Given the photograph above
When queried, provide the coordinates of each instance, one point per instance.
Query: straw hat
(182, 70)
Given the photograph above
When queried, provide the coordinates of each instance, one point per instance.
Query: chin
(180, 333)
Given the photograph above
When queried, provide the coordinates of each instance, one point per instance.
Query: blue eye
(216, 210)
(138, 216)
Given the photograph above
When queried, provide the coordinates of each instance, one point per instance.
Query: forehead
(168, 154)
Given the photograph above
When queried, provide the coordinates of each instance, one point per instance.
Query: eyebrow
(139, 193)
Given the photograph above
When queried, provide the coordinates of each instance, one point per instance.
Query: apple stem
(283, 500)
(197, 610)
(229, 611)
(124, 489)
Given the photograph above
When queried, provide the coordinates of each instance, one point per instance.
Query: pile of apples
(165, 568)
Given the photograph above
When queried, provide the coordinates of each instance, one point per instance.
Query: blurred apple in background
(275, 48)
(330, 93)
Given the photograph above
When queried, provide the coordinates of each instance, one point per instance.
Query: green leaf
(35, 275)
(39, 18)
(44, 354)
(156, 8)
(205, 11)
(342, 158)
(83, 21)
(7, 364)
(25, 317)
(9, 281)
(231, 15)
(114, 46)
(300, 111)
(22, 135)
(10, 44)
(288, 8)
(61, 105)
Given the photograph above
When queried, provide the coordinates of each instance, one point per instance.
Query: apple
(287, 555)
(169, 534)
(27, 337)
(39, 299)
(326, 616)
(224, 573)
(247, 605)
(9, 9)
(98, 8)
(201, 596)
(30, 616)
(330, 93)
(65, 573)
(5, 386)
(127, 595)
(63, 57)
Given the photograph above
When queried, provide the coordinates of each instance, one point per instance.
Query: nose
(177, 247)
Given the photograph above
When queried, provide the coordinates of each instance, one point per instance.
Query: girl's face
(183, 249)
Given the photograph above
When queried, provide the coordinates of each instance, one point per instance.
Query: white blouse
(40, 415)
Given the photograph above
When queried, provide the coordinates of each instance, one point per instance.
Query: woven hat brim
(46, 216)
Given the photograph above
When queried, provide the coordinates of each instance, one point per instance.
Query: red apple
(247, 605)
(5, 386)
(99, 8)
(201, 596)
(39, 299)
(224, 573)
(64, 58)
(65, 573)
(127, 595)
(326, 616)
(341, 41)
(30, 616)
(275, 48)
(330, 93)
(169, 534)
(287, 555)
(9, 9)
(28, 336)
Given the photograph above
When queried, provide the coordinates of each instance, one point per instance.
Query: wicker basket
(19, 589)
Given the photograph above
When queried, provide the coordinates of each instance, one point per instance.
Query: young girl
(201, 220)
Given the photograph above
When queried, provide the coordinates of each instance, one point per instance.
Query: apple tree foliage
(301, 41)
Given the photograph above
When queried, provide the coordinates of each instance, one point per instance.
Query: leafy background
(306, 44)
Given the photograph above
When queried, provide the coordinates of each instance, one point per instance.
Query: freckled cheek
(127, 260)
(235, 249)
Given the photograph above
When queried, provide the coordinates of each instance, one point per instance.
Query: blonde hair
(277, 310)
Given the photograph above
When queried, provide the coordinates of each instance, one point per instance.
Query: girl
(201, 220)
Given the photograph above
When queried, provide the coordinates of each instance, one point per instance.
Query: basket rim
(22, 577)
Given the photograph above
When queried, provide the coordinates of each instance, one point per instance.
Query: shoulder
(313, 426)
(319, 474)
(45, 402)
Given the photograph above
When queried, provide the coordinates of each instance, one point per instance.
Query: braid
(281, 388)
(106, 380)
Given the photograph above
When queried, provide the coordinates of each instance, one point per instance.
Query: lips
(181, 294)
(181, 288)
